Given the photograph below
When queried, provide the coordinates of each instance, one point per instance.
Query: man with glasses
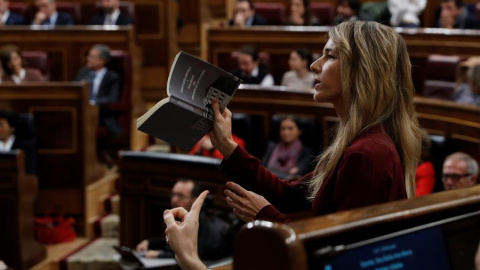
(459, 171)
(214, 236)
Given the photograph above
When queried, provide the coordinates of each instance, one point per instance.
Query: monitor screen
(423, 249)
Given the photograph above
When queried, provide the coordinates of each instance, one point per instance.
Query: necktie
(90, 80)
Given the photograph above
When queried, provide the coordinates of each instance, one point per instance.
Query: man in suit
(459, 171)
(10, 140)
(245, 15)
(7, 17)
(214, 237)
(104, 85)
(47, 15)
(110, 14)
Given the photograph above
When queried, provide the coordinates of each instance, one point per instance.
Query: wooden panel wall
(154, 32)
(66, 140)
(18, 191)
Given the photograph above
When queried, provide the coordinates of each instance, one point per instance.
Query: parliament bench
(146, 180)
(65, 125)
(279, 41)
(18, 191)
(429, 232)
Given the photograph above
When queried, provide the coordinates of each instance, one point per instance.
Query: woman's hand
(143, 246)
(221, 135)
(245, 204)
(183, 236)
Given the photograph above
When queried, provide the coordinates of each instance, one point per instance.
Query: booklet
(186, 115)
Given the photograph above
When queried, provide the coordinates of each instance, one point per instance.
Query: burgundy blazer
(31, 75)
(369, 172)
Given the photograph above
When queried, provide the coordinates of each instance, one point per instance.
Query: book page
(198, 82)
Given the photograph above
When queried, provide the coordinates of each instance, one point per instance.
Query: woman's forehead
(330, 46)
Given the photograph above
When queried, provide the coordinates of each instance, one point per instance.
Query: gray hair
(103, 52)
(472, 165)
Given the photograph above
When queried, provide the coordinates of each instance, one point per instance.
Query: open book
(186, 115)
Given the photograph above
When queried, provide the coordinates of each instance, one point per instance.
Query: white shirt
(267, 81)
(111, 19)
(7, 146)
(406, 11)
(5, 17)
(18, 79)
(97, 81)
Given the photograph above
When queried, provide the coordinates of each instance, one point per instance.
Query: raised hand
(246, 204)
(183, 236)
(221, 135)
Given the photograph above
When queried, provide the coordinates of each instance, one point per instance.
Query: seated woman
(14, 69)
(288, 157)
(299, 76)
(425, 173)
(469, 92)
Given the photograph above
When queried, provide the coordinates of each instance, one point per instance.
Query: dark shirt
(464, 21)
(257, 20)
(99, 19)
(262, 73)
(368, 172)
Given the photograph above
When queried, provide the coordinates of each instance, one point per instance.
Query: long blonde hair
(377, 89)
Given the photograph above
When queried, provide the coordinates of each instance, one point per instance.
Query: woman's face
(296, 62)
(289, 131)
(328, 87)
(15, 63)
(297, 8)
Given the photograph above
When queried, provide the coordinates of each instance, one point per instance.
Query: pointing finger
(197, 205)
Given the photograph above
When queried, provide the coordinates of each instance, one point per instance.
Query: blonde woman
(365, 73)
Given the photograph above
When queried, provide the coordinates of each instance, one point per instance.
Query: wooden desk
(18, 191)
(145, 185)
(66, 140)
(266, 245)
(279, 41)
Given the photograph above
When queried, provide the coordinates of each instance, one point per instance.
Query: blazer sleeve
(246, 170)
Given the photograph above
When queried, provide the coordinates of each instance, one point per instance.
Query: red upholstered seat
(325, 12)
(38, 60)
(440, 76)
(19, 8)
(71, 8)
(274, 13)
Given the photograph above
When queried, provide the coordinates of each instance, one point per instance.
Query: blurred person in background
(299, 76)
(47, 14)
(14, 69)
(7, 17)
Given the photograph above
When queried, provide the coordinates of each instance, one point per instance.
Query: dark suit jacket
(64, 19)
(368, 172)
(99, 19)
(109, 89)
(257, 20)
(15, 19)
(108, 92)
(28, 147)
